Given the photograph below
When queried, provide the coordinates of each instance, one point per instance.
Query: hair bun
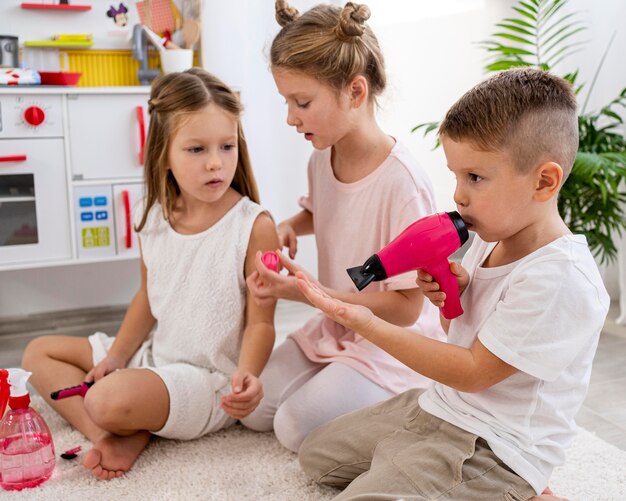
(285, 13)
(352, 20)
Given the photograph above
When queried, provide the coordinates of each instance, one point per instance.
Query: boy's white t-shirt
(543, 315)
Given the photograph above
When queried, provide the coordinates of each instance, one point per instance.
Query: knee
(33, 352)
(290, 427)
(107, 406)
(261, 419)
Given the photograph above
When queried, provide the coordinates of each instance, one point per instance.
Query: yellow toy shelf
(107, 68)
(59, 44)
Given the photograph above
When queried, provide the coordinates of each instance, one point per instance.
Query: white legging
(301, 395)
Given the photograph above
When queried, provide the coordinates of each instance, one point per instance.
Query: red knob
(34, 115)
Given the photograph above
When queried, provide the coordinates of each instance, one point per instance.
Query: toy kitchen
(71, 151)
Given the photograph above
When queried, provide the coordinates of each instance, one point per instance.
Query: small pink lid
(270, 260)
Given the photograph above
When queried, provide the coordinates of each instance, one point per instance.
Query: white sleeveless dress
(197, 293)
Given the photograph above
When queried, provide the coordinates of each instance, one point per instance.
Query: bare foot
(113, 455)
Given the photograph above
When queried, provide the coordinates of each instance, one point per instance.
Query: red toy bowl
(59, 78)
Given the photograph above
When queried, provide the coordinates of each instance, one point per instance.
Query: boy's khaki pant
(395, 450)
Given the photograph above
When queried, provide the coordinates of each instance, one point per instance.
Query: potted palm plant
(541, 33)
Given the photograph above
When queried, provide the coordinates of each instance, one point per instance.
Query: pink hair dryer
(426, 244)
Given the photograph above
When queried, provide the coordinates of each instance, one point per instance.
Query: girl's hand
(266, 286)
(430, 287)
(356, 317)
(108, 365)
(287, 238)
(247, 392)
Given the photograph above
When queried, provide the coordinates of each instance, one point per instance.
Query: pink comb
(81, 389)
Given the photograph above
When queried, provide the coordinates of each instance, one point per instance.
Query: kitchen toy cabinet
(71, 174)
(107, 141)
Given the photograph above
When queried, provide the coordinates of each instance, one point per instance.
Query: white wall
(40, 24)
(279, 154)
(431, 58)
(431, 61)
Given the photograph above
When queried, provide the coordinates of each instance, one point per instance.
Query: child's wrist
(118, 357)
(371, 327)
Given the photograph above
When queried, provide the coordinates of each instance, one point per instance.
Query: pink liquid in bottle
(26, 447)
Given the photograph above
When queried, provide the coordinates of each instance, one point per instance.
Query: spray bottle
(26, 447)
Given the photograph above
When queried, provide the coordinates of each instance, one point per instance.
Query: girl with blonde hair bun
(364, 188)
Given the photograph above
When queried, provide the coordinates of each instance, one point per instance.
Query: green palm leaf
(517, 29)
(525, 13)
(548, 32)
(513, 38)
(519, 22)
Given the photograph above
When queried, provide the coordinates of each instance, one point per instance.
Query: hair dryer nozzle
(360, 279)
(372, 270)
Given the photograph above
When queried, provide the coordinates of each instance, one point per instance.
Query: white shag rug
(238, 464)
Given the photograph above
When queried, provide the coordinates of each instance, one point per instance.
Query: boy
(516, 367)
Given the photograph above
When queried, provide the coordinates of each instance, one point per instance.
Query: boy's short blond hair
(528, 113)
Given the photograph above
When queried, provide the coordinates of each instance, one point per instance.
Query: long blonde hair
(331, 43)
(173, 96)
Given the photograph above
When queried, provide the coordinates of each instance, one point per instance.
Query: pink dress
(353, 221)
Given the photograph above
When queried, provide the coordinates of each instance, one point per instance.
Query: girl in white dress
(187, 358)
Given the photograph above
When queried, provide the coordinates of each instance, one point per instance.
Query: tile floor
(603, 412)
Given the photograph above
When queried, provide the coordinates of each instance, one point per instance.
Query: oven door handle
(142, 133)
(13, 158)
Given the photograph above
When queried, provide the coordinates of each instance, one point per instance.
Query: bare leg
(116, 415)
(59, 362)
(128, 404)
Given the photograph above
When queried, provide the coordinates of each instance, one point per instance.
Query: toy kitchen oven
(63, 198)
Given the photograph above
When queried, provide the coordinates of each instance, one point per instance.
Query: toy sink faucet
(426, 244)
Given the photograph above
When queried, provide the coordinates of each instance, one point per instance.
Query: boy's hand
(356, 317)
(430, 287)
(287, 238)
(246, 394)
(106, 366)
(266, 286)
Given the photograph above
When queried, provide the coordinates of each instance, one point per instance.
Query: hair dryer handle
(447, 283)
